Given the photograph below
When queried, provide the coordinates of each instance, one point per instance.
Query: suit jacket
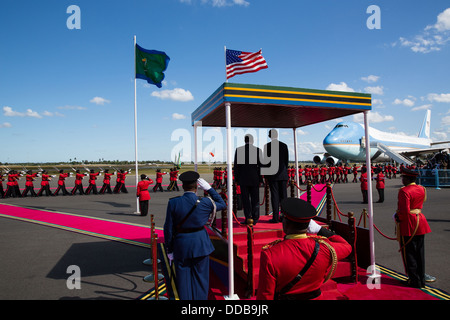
(282, 158)
(247, 165)
(194, 244)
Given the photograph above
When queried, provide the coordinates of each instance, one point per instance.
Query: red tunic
(107, 178)
(283, 261)
(45, 180)
(29, 179)
(380, 180)
(62, 177)
(79, 178)
(364, 181)
(142, 190)
(411, 197)
(93, 177)
(159, 177)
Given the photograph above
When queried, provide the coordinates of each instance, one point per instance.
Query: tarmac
(35, 258)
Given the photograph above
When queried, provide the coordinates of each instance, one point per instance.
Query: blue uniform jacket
(195, 244)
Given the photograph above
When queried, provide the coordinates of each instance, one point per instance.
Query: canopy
(259, 106)
(262, 106)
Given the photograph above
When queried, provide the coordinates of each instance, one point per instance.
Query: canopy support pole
(231, 294)
(374, 275)
(296, 163)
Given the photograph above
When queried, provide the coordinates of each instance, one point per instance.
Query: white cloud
(443, 97)
(432, 38)
(374, 117)
(9, 112)
(440, 135)
(99, 101)
(176, 94)
(178, 116)
(405, 102)
(52, 114)
(340, 87)
(220, 3)
(445, 121)
(423, 107)
(374, 90)
(370, 79)
(443, 21)
(5, 125)
(72, 108)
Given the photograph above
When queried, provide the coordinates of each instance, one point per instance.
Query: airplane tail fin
(425, 130)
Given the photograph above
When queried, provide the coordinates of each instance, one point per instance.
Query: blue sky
(69, 93)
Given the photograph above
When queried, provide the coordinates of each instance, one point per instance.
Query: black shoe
(273, 221)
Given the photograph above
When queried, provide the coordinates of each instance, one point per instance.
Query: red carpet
(107, 229)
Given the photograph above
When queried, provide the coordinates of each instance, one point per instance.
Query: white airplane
(346, 143)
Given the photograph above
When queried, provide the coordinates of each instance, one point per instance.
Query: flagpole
(135, 127)
(225, 52)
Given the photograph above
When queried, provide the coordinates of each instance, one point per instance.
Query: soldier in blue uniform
(187, 242)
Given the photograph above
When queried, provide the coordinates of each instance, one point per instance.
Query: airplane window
(341, 126)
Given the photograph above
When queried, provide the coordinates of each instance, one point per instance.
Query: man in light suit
(275, 171)
(247, 172)
(187, 242)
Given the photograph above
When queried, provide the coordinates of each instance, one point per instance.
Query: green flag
(150, 65)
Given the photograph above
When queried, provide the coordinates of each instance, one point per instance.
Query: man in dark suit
(275, 171)
(187, 241)
(247, 172)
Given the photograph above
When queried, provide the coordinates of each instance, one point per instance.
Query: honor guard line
(262, 106)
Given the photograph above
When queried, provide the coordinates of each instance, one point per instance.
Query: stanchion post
(308, 191)
(266, 195)
(329, 199)
(250, 283)
(352, 235)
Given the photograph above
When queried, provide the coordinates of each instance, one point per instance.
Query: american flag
(239, 62)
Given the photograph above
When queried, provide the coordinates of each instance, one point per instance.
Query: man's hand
(202, 184)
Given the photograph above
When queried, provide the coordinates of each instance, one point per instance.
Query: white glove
(313, 227)
(170, 256)
(202, 184)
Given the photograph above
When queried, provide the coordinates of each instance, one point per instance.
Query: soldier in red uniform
(11, 185)
(380, 185)
(355, 173)
(106, 183)
(62, 183)
(29, 186)
(296, 267)
(412, 227)
(364, 186)
(120, 182)
(159, 179)
(45, 185)
(92, 185)
(143, 194)
(78, 183)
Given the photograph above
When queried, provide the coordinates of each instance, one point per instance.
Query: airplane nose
(329, 139)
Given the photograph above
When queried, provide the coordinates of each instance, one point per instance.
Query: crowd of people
(13, 190)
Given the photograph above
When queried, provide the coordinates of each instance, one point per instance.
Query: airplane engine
(325, 159)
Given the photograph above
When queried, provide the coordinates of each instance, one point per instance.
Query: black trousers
(380, 195)
(63, 189)
(158, 186)
(91, 187)
(143, 207)
(413, 256)
(278, 192)
(46, 189)
(30, 189)
(250, 202)
(106, 188)
(78, 187)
